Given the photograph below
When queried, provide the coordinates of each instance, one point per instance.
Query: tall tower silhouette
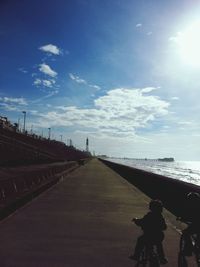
(87, 145)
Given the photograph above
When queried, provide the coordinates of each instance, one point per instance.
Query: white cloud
(46, 69)
(175, 98)
(22, 70)
(148, 89)
(8, 107)
(50, 94)
(51, 49)
(33, 112)
(45, 83)
(62, 108)
(175, 38)
(54, 92)
(138, 25)
(48, 83)
(185, 123)
(19, 101)
(118, 113)
(37, 82)
(95, 86)
(77, 79)
(12, 104)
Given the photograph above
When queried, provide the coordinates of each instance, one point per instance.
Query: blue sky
(125, 74)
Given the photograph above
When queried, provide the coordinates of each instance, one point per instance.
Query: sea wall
(172, 192)
(20, 185)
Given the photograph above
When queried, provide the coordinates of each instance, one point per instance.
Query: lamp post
(24, 128)
(31, 129)
(61, 137)
(18, 124)
(49, 133)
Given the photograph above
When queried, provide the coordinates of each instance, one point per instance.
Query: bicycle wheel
(182, 243)
(142, 259)
(197, 253)
(197, 257)
(154, 261)
(182, 262)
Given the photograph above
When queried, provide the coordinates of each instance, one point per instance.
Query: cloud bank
(19, 100)
(12, 104)
(119, 113)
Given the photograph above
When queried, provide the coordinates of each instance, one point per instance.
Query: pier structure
(83, 220)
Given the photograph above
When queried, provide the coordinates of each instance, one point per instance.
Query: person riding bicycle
(153, 224)
(192, 218)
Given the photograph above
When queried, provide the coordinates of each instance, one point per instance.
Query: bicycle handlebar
(183, 220)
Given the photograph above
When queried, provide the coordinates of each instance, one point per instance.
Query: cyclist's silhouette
(191, 216)
(153, 224)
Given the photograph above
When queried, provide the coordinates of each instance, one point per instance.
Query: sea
(188, 171)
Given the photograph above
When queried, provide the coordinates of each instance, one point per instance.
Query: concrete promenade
(84, 220)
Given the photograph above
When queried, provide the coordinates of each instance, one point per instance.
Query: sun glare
(188, 42)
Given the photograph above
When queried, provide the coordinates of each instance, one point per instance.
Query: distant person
(153, 224)
(191, 217)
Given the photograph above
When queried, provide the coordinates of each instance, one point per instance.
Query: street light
(31, 129)
(18, 124)
(49, 133)
(24, 128)
(61, 137)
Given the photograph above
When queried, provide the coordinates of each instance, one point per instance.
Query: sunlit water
(188, 171)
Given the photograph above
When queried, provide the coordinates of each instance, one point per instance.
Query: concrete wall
(172, 192)
(22, 184)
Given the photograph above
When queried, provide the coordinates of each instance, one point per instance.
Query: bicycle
(182, 257)
(148, 257)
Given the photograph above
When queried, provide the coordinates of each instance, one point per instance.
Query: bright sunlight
(188, 42)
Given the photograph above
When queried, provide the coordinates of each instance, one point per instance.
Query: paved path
(85, 220)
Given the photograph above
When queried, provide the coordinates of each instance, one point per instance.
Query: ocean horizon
(187, 171)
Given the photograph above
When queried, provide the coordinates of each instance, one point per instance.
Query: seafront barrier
(20, 185)
(172, 192)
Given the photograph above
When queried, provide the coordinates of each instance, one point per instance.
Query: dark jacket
(153, 224)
